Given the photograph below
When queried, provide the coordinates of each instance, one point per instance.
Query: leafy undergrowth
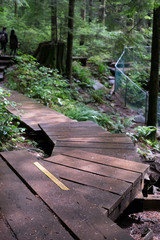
(145, 147)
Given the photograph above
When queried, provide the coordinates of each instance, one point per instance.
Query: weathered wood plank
(59, 129)
(97, 169)
(99, 145)
(77, 131)
(97, 139)
(1, 76)
(84, 219)
(108, 161)
(103, 199)
(5, 62)
(116, 186)
(129, 154)
(113, 203)
(68, 125)
(28, 217)
(5, 231)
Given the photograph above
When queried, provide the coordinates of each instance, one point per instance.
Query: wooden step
(5, 57)
(83, 219)
(2, 68)
(5, 62)
(1, 76)
(116, 177)
(128, 154)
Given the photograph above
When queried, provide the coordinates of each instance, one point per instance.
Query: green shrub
(98, 95)
(83, 74)
(10, 133)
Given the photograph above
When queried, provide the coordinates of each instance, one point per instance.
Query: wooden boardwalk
(82, 187)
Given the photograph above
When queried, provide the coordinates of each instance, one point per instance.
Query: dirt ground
(141, 225)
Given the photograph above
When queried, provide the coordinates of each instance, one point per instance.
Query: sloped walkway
(80, 190)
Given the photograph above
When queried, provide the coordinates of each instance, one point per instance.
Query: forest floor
(137, 224)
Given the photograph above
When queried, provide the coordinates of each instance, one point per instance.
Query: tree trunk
(52, 55)
(70, 40)
(90, 10)
(15, 8)
(154, 79)
(102, 13)
(83, 10)
(54, 25)
(83, 16)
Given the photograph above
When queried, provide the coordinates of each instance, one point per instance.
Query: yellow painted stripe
(53, 178)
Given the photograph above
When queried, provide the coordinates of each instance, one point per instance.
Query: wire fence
(133, 61)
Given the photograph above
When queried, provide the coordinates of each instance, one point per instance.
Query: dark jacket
(6, 37)
(13, 41)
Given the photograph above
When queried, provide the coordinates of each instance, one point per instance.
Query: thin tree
(70, 40)
(90, 10)
(154, 74)
(54, 25)
(15, 8)
(83, 16)
(102, 10)
(83, 10)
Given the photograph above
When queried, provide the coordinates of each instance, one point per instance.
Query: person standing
(3, 40)
(13, 43)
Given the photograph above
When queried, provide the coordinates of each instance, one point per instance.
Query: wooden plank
(99, 145)
(82, 218)
(5, 230)
(98, 139)
(31, 124)
(5, 62)
(98, 183)
(1, 76)
(26, 214)
(128, 154)
(108, 161)
(103, 199)
(51, 129)
(105, 183)
(77, 131)
(76, 125)
(106, 201)
(97, 169)
(68, 125)
(113, 203)
(2, 68)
